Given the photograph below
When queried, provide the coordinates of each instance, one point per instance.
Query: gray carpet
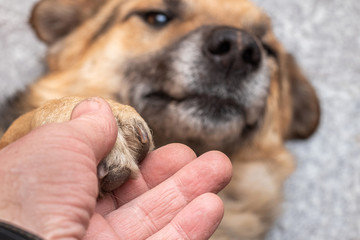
(323, 196)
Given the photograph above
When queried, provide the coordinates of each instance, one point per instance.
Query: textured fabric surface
(322, 199)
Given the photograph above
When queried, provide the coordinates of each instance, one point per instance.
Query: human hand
(49, 186)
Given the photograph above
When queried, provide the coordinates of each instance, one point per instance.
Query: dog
(209, 74)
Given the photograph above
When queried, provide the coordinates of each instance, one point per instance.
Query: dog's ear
(54, 19)
(305, 104)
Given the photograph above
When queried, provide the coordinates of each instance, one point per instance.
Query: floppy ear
(54, 19)
(305, 103)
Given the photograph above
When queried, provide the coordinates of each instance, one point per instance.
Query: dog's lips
(193, 97)
(162, 96)
(212, 110)
(214, 107)
(200, 105)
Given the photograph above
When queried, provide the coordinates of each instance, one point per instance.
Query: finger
(156, 168)
(155, 209)
(94, 123)
(196, 221)
(165, 162)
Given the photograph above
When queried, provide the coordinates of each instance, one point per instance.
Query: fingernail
(87, 106)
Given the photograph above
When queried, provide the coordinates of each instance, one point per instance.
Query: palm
(166, 201)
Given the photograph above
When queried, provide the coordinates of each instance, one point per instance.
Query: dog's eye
(156, 18)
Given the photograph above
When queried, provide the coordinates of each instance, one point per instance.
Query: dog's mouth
(207, 105)
(163, 97)
(205, 116)
(222, 118)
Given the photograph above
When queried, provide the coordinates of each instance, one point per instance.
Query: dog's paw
(133, 142)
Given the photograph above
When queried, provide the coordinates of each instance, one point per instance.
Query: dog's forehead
(230, 12)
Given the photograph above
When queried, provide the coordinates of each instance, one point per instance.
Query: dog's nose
(233, 49)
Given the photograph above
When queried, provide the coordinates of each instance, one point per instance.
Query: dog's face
(207, 73)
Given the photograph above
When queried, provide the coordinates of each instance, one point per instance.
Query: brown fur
(92, 49)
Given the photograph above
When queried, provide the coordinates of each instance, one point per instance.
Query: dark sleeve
(11, 232)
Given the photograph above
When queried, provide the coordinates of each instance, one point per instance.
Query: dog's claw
(143, 136)
(144, 139)
(113, 179)
(102, 170)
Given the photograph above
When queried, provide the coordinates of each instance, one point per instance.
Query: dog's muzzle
(209, 87)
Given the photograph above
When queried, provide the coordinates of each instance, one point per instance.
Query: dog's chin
(201, 121)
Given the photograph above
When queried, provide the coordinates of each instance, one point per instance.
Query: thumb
(94, 121)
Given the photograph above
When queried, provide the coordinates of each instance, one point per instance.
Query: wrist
(12, 203)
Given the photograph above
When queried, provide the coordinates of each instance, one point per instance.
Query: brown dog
(207, 73)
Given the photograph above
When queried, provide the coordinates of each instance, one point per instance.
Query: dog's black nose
(233, 49)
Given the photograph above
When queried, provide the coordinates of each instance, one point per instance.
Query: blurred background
(322, 199)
